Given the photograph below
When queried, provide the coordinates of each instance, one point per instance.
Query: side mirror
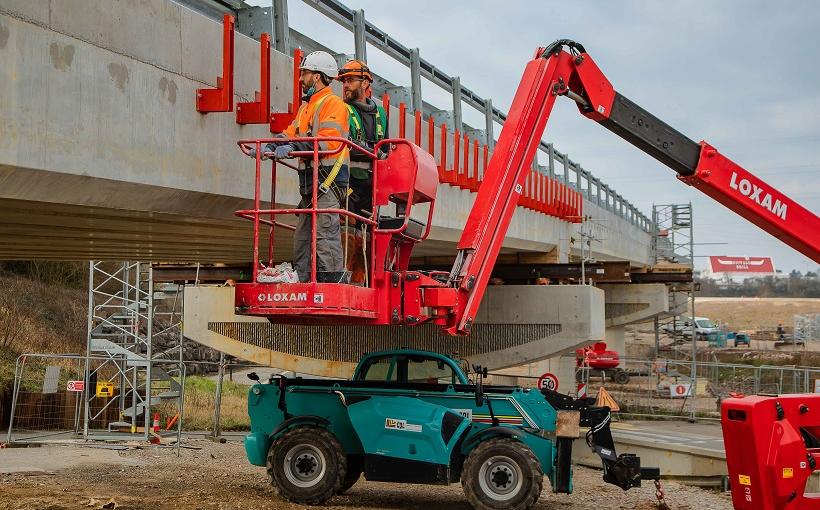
(481, 373)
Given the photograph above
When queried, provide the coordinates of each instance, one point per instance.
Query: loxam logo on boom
(280, 297)
(754, 192)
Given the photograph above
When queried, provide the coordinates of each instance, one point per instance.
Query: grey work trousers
(328, 238)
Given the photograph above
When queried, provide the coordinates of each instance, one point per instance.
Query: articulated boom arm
(571, 72)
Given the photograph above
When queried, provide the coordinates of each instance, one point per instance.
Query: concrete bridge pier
(631, 304)
(624, 304)
(615, 338)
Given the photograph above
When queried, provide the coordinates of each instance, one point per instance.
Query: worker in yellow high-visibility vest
(368, 126)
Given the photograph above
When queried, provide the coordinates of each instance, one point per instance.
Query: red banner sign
(723, 264)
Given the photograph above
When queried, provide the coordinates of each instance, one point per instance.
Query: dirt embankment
(218, 476)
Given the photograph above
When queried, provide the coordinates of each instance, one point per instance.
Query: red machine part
(258, 112)
(220, 99)
(597, 356)
(556, 71)
(756, 201)
(280, 121)
(452, 301)
(772, 447)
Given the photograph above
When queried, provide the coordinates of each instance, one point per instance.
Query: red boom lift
(772, 443)
(408, 178)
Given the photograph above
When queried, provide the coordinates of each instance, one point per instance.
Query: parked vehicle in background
(676, 326)
(742, 339)
(598, 361)
(683, 326)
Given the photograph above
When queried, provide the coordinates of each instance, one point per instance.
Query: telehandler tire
(502, 474)
(355, 467)
(306, 465)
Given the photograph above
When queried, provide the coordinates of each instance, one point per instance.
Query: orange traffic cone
(155, 430)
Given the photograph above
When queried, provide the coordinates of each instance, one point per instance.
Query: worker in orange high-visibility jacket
(322, 114)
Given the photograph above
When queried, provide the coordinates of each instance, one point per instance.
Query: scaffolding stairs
(123, 313)
(159, 378)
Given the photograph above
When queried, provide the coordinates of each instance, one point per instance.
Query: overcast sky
(742, 75)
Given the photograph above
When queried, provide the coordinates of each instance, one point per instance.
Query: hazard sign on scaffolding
(582, 390)
(105, 389)
(77, 386)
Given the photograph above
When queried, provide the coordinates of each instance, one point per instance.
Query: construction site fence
(40, 406)
(45, 401)
(67, 397)
(219, 408)
(663, 388)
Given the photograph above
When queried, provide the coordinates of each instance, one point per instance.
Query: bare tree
(13, 317)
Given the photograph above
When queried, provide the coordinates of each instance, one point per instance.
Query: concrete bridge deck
(104, 156)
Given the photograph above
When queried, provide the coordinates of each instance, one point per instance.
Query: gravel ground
(218, 476)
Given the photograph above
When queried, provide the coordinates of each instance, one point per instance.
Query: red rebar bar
(402, 119)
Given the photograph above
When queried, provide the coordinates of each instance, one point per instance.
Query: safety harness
(356, 123)
(324, 186)
(357, 134)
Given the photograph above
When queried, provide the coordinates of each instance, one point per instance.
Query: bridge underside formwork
(515, 325)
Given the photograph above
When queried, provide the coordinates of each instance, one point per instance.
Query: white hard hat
(321, 61)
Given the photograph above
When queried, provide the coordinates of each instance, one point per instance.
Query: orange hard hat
(355, 68)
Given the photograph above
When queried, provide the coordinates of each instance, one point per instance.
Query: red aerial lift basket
(406, 178)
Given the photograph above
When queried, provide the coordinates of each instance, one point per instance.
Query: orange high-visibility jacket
(330, 119)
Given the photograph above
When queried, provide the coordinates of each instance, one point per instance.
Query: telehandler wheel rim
(304, 465)
(500, 478)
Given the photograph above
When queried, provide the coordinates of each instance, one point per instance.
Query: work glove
(265, 148)
(283, 151)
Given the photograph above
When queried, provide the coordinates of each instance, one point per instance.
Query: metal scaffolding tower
(127, 316)
(673, 243)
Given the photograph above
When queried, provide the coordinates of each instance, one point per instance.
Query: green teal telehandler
(414, 416)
